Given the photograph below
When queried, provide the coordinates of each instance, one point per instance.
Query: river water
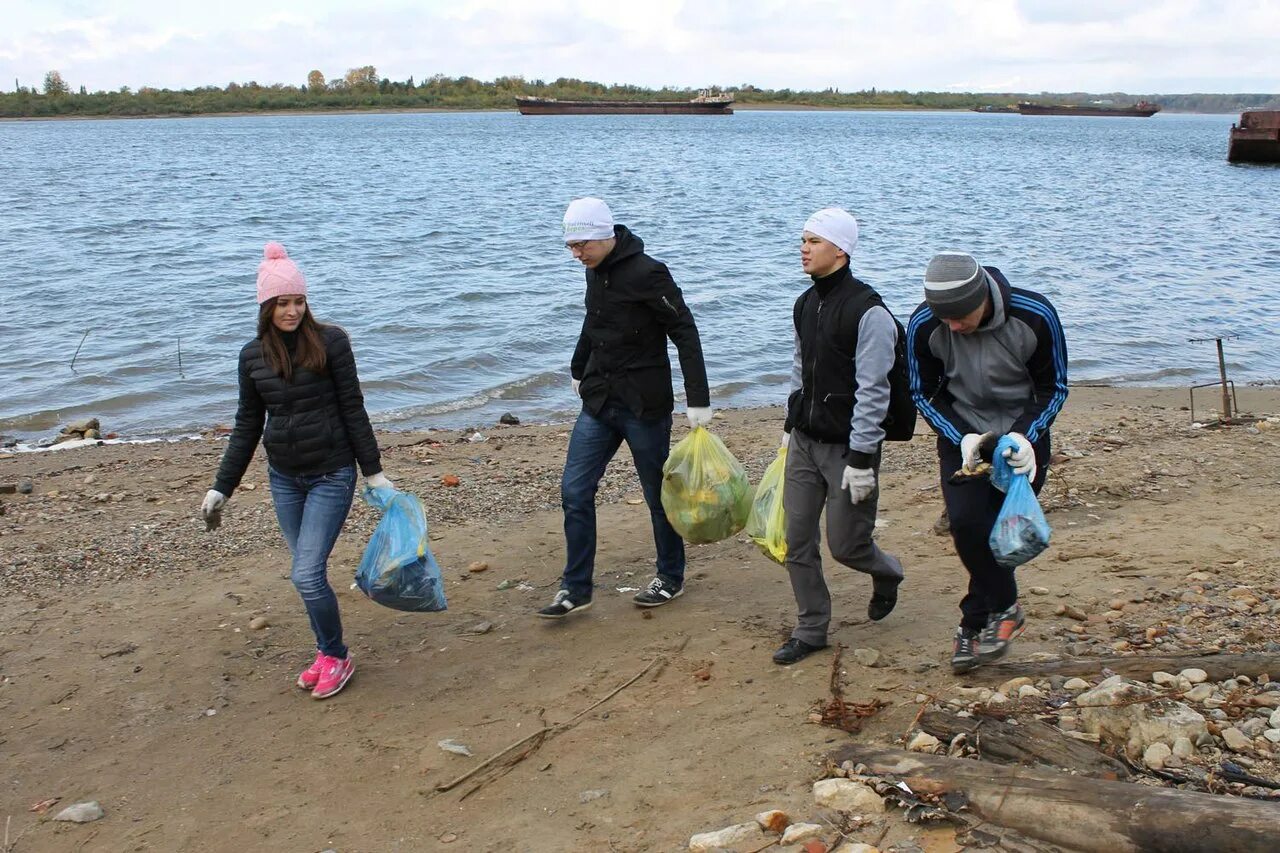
(434, 239)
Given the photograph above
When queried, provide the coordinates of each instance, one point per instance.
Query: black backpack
(900, 421)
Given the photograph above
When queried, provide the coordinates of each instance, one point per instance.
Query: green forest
(363, 89)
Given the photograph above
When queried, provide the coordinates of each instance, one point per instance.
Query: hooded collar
(628, 244)
(998, 291)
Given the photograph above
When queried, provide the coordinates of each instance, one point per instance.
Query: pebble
(1039, 590)
(1199, 693)
(1195, 676)
(847, 796)
(798, 832)
(1070, 612)
(773, 820)
(1274, 719)
(1029, 691)
(82, 813)
(257, 623)
(923, 742)
(867, 657)
(1236, 740)
(480, 628)
(1272, 735)
(1013, 685)
(731, 837)
(1184, 748)
(1156, 755)
(1164, 678)
(478, 566)
(25, 487)
(1075, 685)
(594, 794)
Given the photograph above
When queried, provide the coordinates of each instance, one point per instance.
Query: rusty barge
(718, 105)
(1142, 109)
(1256, 138)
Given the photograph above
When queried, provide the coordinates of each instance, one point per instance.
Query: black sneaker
(657, 593)
(1002, 628)
(884, 598)
(562, 606)
(794, 651)
(964, 650)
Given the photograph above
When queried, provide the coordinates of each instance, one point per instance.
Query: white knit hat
(587, 219)
(836, 226)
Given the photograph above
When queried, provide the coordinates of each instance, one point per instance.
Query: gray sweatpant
(814, 472)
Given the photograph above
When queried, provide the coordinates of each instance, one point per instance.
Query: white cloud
(985, 45)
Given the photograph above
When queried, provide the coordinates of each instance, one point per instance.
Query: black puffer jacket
(313, 425)
(633, 306)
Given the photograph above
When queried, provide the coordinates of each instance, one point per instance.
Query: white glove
(576, 383)
(786, 440)
(213, 503)
(699, 416)
(969, 457)
(860, 482)
(378, 481)
(1023, 459)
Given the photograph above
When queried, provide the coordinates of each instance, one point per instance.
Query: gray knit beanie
(955, 285)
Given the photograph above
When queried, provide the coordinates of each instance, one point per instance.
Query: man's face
(591, 252)
(969, 323)
(818, 256)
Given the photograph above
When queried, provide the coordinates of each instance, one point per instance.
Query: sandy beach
(130, 675)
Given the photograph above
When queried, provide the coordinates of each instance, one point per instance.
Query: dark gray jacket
(1008, 376)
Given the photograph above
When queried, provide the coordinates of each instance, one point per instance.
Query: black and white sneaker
(562, 606)
(657, 593)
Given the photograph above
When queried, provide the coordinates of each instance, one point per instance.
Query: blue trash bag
(1021, 531)
(398, 569)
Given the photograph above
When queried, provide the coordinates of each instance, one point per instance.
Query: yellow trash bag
(767, 525)
(705, 491)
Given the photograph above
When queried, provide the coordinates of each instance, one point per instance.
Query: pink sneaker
(310, 677)
(334, 675)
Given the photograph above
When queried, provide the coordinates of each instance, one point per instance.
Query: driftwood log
(1079, 813)
(1218, 667)
(1030, 742)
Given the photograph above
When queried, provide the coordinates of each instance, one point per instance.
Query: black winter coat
(633, 306)
(315, 424)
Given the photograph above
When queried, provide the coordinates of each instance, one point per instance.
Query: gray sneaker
(563, 605)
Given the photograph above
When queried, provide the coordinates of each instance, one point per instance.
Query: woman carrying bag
(299, 394)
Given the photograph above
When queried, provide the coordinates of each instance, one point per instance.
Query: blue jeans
(594, 442)
(311, 511)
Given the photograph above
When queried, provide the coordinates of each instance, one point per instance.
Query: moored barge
(1142, 109)
(701, 105)
(1256, 138)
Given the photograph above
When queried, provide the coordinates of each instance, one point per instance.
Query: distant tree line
(362, 89)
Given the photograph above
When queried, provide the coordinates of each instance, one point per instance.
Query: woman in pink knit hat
(299, 394)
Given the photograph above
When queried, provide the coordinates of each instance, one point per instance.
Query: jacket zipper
(670, 306)
(813, 370)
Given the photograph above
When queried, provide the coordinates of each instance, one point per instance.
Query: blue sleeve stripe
(922, 316)
(1059, 349)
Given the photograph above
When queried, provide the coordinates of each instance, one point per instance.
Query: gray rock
(923, 742)
(1199, 693)
(82, 812)
(1272, 735)
(742, 837)
(847, 796)
(1252, 727)
(1236, 740)
(25, 487)
(1075, 685)
(509, 419)
(1184, 748)
(867, 657)
(798, 832)
(1157, 754)
(1195, 676)
(1275, 719)
(594, 794)
(1109, 711)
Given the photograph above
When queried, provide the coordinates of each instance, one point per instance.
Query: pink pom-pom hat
(279, 276)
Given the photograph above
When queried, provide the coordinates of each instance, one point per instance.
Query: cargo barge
(701, 105)
(1256, 139)
(1142, 109)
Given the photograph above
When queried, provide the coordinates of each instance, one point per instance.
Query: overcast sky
(1140, 46)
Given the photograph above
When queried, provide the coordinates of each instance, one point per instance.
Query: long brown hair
(309, 353)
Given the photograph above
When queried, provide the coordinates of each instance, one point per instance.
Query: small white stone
(82, 813)
(1274, 720)
(1163, 678)
(1028, 691)
(1199, 693)
(1010, 687)
(997, 700)
(1156, 755)
(1272, 735)
(1195, 676)
(923, 742)
(846, 796)
(1236, 740)
(729, 838)
(798, 832)
(1184, 748)
(1075, 685)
